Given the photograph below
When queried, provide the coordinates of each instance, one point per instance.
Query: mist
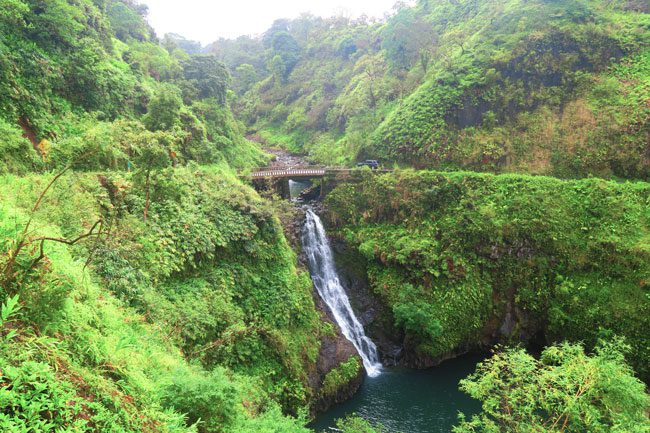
(207, 21)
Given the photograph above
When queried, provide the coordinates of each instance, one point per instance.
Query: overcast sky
(206, 21)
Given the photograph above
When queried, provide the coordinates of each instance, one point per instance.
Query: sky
(207, 21)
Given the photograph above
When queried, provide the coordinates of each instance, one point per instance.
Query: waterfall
(326, 281)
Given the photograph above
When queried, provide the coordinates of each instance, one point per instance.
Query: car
(372, 163)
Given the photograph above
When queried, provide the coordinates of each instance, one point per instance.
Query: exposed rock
(413, 359)
(334, 351)
(372, 313)
(283, 160)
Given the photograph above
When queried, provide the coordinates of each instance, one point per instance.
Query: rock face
(334, 351)
(372, 313)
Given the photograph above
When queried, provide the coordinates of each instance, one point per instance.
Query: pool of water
(410, 401)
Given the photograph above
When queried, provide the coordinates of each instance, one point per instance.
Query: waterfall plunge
(326, 281)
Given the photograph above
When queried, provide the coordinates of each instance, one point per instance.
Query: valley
(433, 221)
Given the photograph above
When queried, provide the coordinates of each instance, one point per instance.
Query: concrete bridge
(277, 179)
(290, 173)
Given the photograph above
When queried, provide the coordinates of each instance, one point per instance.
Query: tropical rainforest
(147, 286)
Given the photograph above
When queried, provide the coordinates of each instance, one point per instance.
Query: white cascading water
(326, 281)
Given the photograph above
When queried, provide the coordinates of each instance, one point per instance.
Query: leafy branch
(9, 274)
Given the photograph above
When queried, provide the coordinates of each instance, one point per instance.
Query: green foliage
(208, 76)
(73, 73)
(153, 61)
(207, 401)
(224, 135)
(272, 421)
(164, 109)
(127, 21)
(211, 263)
(285, 53)
(17, 155)
(472, 84)
(29, 391)
(356, 424)
(214, 276)
(408, 39)
(107, 326)
(565, 390)
(341, 376)
(244, 76)
(451, 253)
(7, 310)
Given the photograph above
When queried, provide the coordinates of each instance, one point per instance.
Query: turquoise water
(410, 401)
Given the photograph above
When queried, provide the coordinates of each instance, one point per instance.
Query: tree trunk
(373, 100)
(146, 196)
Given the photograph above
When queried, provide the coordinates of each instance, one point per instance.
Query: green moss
(341, 376)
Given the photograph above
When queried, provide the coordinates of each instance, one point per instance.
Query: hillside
(544, 87)
(77, 78)
(461, 260)
(143, 286)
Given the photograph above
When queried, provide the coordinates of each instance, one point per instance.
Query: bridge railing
(289, 172)
(304, 172)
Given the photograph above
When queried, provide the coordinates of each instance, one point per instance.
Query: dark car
(372, 163)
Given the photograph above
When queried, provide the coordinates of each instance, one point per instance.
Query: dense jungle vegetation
(545, 86)
(144, 287)
(449, 252)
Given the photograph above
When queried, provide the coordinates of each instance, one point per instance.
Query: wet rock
(335, 350)
(375, 317)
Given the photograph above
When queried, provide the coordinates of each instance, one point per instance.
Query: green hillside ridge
(83, 96)
(170, 317)
(546, 87)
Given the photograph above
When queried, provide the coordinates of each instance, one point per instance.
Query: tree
(12, 14)
(172, 41)
(566, 391)
(346, 48)
(457, 37)
(163, 111)
(208, 76)
(127, 21)
(245, 76)
(285, 46)
(278, 26)
(151, 151)
(356, 424)
(277, 68)
(409, 38)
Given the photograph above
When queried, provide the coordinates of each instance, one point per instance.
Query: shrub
(356, 424)
(208, 400)
(566, 390)
(17, 155)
